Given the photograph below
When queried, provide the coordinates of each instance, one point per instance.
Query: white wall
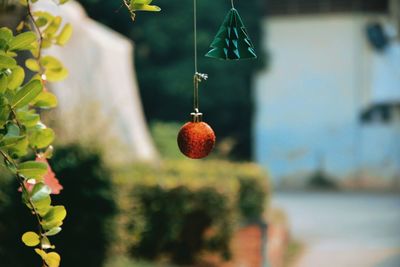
(309, 99)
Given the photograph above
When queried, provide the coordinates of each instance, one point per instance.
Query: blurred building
(330, 97)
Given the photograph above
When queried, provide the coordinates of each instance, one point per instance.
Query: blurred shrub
(184, 207)
(252, 197)
(176, 222)
(172, 212)
(88, 196)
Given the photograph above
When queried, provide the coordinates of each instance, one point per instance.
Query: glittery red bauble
(196, 140)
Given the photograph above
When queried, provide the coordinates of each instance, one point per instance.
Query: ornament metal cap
(196, 116)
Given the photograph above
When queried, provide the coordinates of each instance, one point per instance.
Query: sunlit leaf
(23, 41)
(45, 243)
(141, 7)
(53, 26)
(32, 65)
(40, 194)
(28, 118)
(45, 100)
(7, 142)
(19, 149)
(53, 231)
(7, 62)
(32, 169)
(5, 34)
(53, 259)
(65, 34)
(40, 137)
(16, 78)
(3, 82)
(31, 239)
(56, 213)
(26, 94)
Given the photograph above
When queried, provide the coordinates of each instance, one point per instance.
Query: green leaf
(41, 253)
(45, 243)
(53, 26)
(31, 239)
(4, 111)
(8, 142)
(33, 169)
(19, 149)
(3, 83)
(43, 14)
(53, 231)
(51, 62)
(56, 213)
(43, 206)
(12, 130)
(41, 21)
(65, 34)
(5, 34)
(141, 7)
(54, 218)
(56, 75)
(52, 259)
(23, 41)
(28, 118)
(16, 78)
(32, 65)
(7, 62)
(26, 94)
(41, 137)
(54, 69)
(45, 100)
(40, 195)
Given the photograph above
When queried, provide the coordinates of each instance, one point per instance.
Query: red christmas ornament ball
(196, 140)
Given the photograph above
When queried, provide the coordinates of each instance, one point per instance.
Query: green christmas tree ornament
(232, 41)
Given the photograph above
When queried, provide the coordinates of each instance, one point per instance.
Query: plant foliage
(22, 133)
(184, 208)
(89, 228)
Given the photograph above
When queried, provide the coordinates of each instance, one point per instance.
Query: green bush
(252, 197)
(87, 230)
(88, 194)
(184, 207)
(177, 220)
(172, 212)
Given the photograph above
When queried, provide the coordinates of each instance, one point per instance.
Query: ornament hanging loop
(233, 6)
(197, 78)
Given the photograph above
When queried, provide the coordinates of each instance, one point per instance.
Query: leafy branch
(21, 129)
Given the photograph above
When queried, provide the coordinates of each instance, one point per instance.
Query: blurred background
(306, 170)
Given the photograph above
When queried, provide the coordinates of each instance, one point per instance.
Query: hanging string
(233, 6)
(195, 79)
(198, 77)
(195, 34)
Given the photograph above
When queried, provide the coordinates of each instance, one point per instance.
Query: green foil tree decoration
(232, 41)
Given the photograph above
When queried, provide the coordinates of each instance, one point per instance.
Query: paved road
(344, 229)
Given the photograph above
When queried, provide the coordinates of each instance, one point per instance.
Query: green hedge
(184, 207)
(172, 212)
